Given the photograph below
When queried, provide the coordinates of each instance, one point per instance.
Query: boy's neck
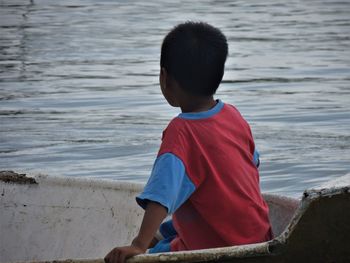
(195, 104)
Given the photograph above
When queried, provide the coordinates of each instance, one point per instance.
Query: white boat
(53, 219)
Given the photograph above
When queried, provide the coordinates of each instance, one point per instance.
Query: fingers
(126, 253)
(122, 257)
(121, 254)
(112, 256)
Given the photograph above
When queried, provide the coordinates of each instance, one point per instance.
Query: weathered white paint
(61, 218)
(64, 217)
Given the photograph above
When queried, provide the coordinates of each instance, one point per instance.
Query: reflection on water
(79, 89)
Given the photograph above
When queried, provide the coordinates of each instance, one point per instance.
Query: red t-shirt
(227, 207)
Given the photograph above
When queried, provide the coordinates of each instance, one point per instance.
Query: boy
(205, 174)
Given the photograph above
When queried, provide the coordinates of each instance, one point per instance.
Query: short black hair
(194, 54)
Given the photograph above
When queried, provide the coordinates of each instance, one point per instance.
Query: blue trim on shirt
(168, 185)
(204, 114)
(256, 158)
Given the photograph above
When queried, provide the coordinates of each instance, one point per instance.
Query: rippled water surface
(79, 91)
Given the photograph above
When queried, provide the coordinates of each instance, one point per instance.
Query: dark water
(79, 91)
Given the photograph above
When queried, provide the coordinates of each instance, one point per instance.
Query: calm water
(79, 91)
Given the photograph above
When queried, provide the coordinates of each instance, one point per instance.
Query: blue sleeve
(256, 158)
(168, 184)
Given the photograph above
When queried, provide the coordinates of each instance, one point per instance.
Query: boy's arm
(153, 217)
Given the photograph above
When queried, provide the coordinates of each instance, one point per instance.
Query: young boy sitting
(205, 174)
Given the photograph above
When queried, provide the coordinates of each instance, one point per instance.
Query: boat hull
(50, 219)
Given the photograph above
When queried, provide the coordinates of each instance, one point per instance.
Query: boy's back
(226, 208)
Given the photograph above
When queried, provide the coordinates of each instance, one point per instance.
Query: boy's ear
(163, 72)
(163, 77)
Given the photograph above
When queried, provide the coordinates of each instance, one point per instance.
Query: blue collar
(203, 114)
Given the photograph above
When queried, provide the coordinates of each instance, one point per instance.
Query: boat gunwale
(87, 182)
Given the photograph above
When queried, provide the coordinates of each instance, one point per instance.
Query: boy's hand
(154, 215)
(121, 254)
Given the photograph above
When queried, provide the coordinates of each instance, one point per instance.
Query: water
(79, 91)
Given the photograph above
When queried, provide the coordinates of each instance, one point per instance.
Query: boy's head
(194, 54)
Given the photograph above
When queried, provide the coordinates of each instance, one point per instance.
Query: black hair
(194, 54)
